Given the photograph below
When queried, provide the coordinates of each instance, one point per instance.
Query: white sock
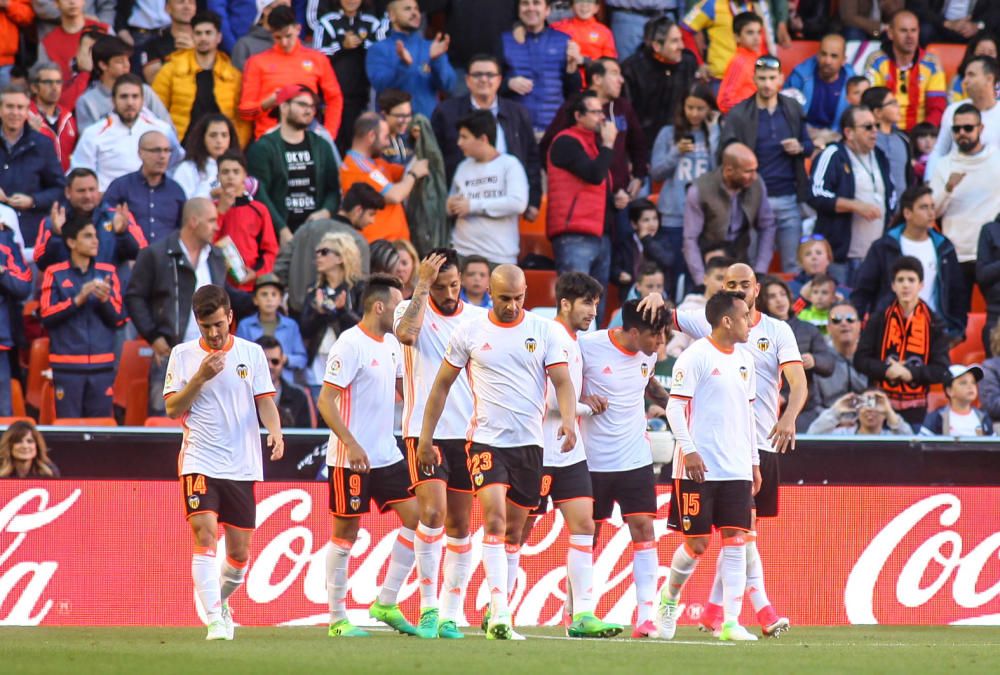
(682, 566)
(205, 573)
(734, 577)
(233, 575)
(427, 549)
(337, 559)
(400, 563)
(456, 576)
(580, 573)
(644, 564)
(715, 596)
(495, 565)
(755, 576)
(513, 552)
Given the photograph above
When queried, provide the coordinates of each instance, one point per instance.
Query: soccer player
(565, 477)
(424, 325)
(618, 367)
(508, 355)
(358, 404)
(775, 354)
(218, 385)
(715, 467)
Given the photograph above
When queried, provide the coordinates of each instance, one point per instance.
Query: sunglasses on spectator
(275, 362)
(479, 75)
(865, 127)
(967, 128)
(323, 252)
(767, 62)
(839, 319)
(812, 237)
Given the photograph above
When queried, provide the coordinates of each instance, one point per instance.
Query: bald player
(508, 355)
(775, 354)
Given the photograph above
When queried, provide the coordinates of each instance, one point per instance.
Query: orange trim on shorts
(638, 513)
(236, 527)
(215, 513)
(232, 562)
(571, 499)
(520, 506)
(345, 515)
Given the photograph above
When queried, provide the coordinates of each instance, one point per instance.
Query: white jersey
(616, 440)
(554, 456)
(364, 369)
(221, 431)
(507, 366)
(772, 345)
(719, 388)
(421, 363)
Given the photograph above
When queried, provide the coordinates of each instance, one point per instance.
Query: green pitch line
(271, 651)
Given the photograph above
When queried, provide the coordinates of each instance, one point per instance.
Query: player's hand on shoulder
(695, 467)
(357, 458)
(277, 446)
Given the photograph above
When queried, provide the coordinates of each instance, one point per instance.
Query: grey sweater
(96, 103)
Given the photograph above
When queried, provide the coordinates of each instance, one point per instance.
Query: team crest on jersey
(108, 225)
(644, 369)
(170, 378)
(355, 503)
(194, 501)
(60, 393)
(242, 371)
(686, 523)
(763, 344)
(307, 64)
(478, 479)
(678, 377)
(744, 373)
(531, 345)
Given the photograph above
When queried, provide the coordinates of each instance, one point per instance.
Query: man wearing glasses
(844, 329)
(46, 116)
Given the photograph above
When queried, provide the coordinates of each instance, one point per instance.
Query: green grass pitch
(274, 651)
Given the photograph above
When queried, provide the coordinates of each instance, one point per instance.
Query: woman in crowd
(983, 43)
(23, 453)
(198, 174)
(384, 257)
(407, 267)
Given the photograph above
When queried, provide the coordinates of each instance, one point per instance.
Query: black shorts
(634, 490)
(231, 501)
(563, 484)
(519, 468)
(695, 508)
(351, 492)
(766, 501)
(451, 471)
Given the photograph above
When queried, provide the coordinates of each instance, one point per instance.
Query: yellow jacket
(175, 85)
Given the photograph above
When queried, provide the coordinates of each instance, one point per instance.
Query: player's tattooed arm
(656, 393)
(408, 328)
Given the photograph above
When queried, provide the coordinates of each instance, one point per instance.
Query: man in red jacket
(46, 116)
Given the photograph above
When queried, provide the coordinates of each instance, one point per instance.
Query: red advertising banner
(119, 553)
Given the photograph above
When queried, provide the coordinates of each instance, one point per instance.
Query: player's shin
(337, 559)
(682, 566)
(205, 574)
(644, 568)
(457, 570)
(711, 616)
(513, 552)
(755, 584)
(734, 577)
(495, 566)
(580, 568)
(400, 563)
(233, 574)
(427, 547)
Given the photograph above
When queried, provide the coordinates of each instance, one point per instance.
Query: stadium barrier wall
(119, 553)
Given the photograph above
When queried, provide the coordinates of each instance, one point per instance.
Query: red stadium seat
(541, 288)
(38, 361)
(85, 422)
(950, 57)
(978, 302)
(537, 244)
(612, 304)
(799, 51)
(162, 422)
(935, 400)
(17, 398)
(132, 367)
(137, 403)
(7, 421)
(973, 338)
(538, 226)
(973, 358)
(47, 403)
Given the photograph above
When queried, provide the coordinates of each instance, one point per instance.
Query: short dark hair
(483, 57)
(363, 195)
(855, 80)
(599, 67)
(207, 16)
(850, 112)
(907, 263)
(647, 269)
(106, 48)
(822, 279)
(281, 17)
(232, 156)
(579, 104)
(269, 342)
(633, 318)
(720, 305)
(990, 66)
(74, 225)
(208, 299)
(474, 260)
(874, 97)
(637, 207)
(845, 303)
(912, 194)
(366, 122)
(80, 172)
(480, 123)
(450, 256)
(378, 289)
(719, 262)
(657, 29)
(390, 98)
(744, 19)
(574, 285)
(922, 130)
(968, 109)
(127, 79)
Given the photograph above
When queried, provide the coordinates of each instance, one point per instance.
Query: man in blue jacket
(407, 60)
(822, 79)
(15, 286)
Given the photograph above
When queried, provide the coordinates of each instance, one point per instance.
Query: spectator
(774, 127)
(296, 263)
(959, 417)
(245, 222)
(856, 88)
(333, 303)
(295, 166)
(541, 70)
(923, 138)
(643, 247)
(514, 134)
(270, 322)
(209, 138)
(294, 405)
(138, 21)
(738, 83)
(364, 164)
(61, 44)
(77, 84)
(822, 296)
(407, 268)
(15, 287)
(964, 192)
(943, 284)
(727, 205)
(775, 300)
(177, 36)
(110, 56)
(981, 76)
(46, 116)
(475, 27)
(852, 193)
(119, 237)
(659, 76)
(488, 193)
(814, 256)
(287, 64)
(950, 21)
(31, 177)
(988, 278)
(649, 281)
(631, 23)
(407, 60)
(904, 347)
(989, 390)
(200, 81)
(385, 257)
(866, 19)
(344, 34)
(984, 44)
(476, 281)
(24, 454)
(81, 308)
(715, 272)
(844, 329)
(153, 198)
(593, 37)
(684, 150)
(822, 79)
(869, 414)
(915, 76)
(255, 41)
(716, 19)
(14, 16)
(893, 143)
(397, 111)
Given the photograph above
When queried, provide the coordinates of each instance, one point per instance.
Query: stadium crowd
(289, 149)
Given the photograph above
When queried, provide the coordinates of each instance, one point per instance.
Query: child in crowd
(923, 136)
(476, 281)
(592, 38)
(814, 255)
(269, 320)
(856, 87)
(244, 221)
(822, 295)
(959, 417)
(649, 280)
(738, 84)
(642, 248)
